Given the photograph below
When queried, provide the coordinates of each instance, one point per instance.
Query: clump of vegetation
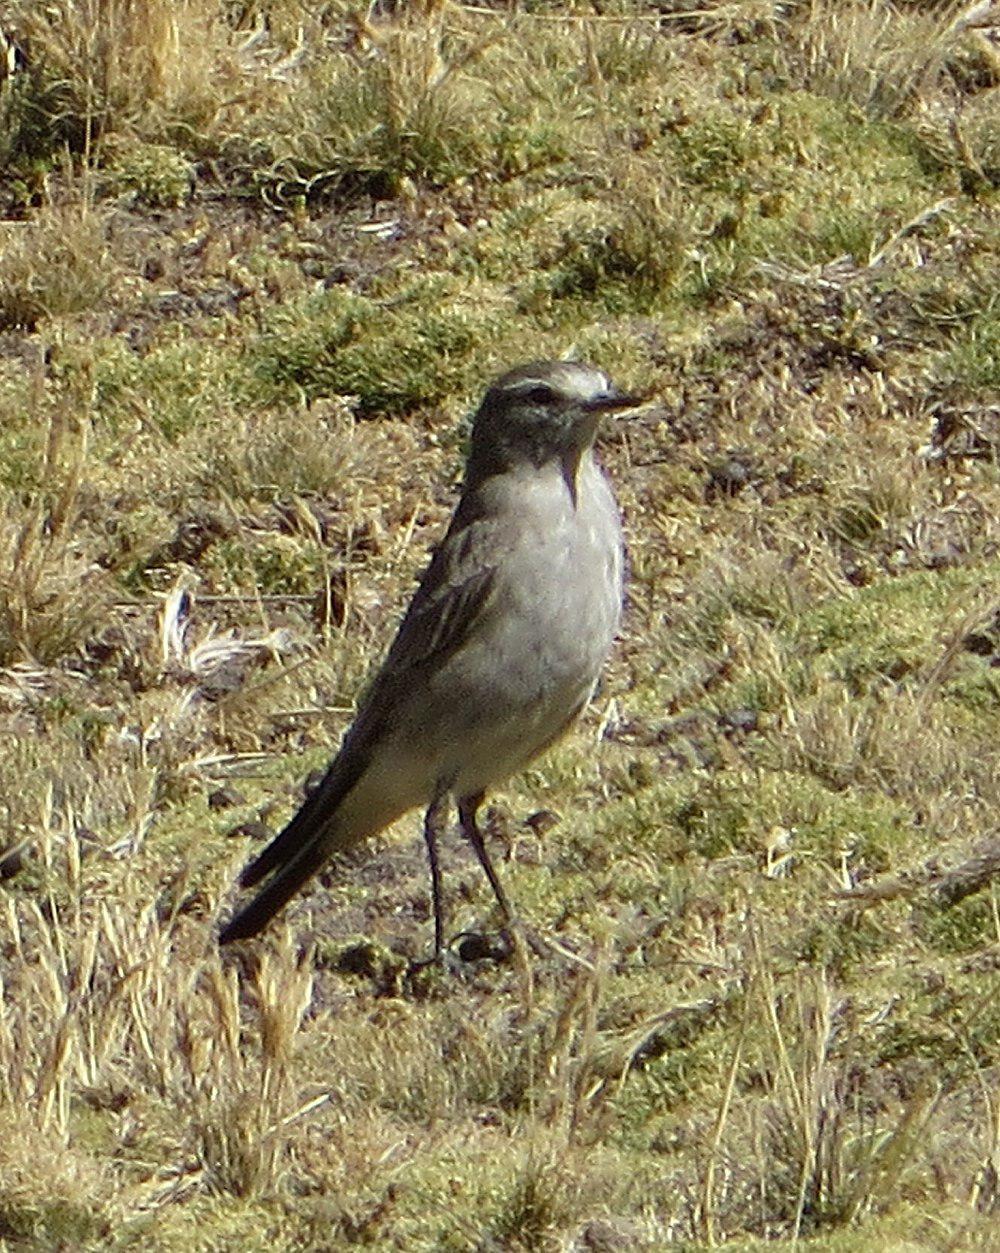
(156, 175)
(56, 264)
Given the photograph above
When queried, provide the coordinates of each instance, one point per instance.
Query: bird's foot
(464, 952)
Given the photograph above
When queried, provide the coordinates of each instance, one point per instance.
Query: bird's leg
(434, 823)
(468, 807)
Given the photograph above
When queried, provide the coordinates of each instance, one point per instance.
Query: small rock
(473, 946)
(542, 820)
(728, 477)
(312, 781)
(739, 721)
(609, 1235)
(250, 831)
(359, 959)
(225, 797)
(12, 861)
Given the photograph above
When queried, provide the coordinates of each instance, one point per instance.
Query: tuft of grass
(54, 265)
(335, 344)
(154, 175)
(95, 69)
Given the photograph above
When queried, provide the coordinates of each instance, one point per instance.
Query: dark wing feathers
(452, 596)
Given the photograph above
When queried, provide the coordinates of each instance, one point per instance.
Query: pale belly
(525, 671)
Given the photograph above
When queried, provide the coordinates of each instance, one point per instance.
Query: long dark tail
(301, 830)
(295, 853)
(255, 916)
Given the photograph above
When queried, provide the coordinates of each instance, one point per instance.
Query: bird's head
(543, 411)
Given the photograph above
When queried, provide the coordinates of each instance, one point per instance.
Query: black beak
(611, 402)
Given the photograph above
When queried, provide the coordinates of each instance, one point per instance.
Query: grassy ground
(256, 263)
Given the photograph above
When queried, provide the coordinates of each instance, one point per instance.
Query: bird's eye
(541, 395)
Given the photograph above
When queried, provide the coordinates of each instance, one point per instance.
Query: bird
(501, 647)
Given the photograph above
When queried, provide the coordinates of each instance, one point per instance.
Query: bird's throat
(571, 463)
